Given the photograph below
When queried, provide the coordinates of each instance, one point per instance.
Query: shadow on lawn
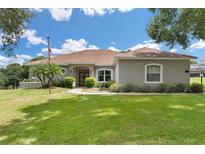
(89, 120)
(59, 121)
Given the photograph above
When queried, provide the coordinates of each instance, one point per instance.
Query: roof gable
(106, 57)
(95, 57)
(153, 53)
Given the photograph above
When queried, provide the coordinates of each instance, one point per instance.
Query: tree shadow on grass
(84, 119)
(59, 121)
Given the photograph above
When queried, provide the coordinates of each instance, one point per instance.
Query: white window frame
(161, 73)
(104, 69)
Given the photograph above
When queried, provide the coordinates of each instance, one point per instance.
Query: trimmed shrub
(69, 81)
(187, 88)
(90, 82)
(58, 83)
(104, 84)
(136, 88)
(109, 83)
(145, 89)
(114, 87)
(163, 88)
(155, 89)
(196, 88)
(180, 87)
(99, 85)
(172, 88)
(126, 87)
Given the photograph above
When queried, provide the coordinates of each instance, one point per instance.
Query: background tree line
(12, 74)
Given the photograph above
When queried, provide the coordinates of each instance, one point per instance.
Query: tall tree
(46, 73)
(3, 78)
(177, 26)
(12, 26)
(13, 74)
(25, 72)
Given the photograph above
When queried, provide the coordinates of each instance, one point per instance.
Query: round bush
(108, 84)
(69, 81)
(90, 82)
(197, 88)
(114, 87)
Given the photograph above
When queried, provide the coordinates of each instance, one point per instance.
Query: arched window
(153, 73)
(104, 75)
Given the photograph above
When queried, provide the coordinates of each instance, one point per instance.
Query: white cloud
(173, 50)
(20, 58)
(97, 11)
(36, 9)
(147, 44)
(198, 45)
(31, 36)
(113, 49)
(123, 10)
(55, 51)
(103, 11)
(69, 46)
(61, 14)
(39, 54)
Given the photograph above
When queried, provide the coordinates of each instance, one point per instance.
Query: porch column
(91, 71)
(71, 71)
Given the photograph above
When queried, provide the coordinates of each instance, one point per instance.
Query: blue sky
(77, 29)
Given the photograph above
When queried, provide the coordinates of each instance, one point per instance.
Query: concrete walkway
(80, 91)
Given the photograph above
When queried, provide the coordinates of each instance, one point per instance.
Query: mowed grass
(33, 117)
(197, 80)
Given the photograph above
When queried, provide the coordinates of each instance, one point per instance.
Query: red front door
(81, 77)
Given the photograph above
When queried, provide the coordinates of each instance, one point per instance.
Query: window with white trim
(104, 75)
(153, 73)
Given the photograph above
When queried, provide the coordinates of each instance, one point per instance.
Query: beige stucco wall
(133, 71)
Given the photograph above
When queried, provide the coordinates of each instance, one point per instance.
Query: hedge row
(89, 83)
(162, 88)
(67, 82)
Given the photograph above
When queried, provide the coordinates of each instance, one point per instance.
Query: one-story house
(144, 66)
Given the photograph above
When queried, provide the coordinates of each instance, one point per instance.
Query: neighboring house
(197, 69)
(143, 66)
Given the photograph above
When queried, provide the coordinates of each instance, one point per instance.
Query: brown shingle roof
(96, 57)
(153, 53)
(106, 57)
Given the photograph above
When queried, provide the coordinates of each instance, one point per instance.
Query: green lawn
(31, 117)
(197, 80)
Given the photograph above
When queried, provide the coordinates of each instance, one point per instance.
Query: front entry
(81, 77)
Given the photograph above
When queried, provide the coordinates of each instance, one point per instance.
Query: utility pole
(49, 60)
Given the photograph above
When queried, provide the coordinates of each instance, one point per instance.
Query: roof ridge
(76, 52)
